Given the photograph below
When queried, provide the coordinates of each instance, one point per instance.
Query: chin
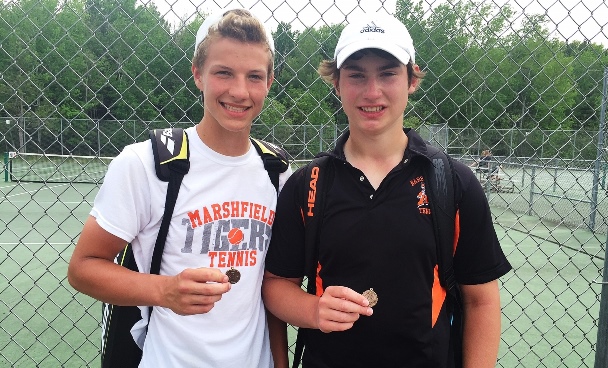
(237, 128)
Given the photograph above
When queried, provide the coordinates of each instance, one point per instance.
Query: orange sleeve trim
(319, 281)
(438, 295)
(456, 229)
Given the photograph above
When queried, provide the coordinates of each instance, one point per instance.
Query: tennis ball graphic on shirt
(235, 236)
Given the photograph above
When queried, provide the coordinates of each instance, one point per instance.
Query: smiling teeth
(235, 109)
(372, 109)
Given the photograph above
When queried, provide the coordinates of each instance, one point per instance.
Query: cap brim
(401, 55)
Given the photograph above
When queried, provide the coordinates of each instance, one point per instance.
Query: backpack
(171, 162)
(439, 174)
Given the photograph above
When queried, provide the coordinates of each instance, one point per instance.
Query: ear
(198, 78)
(269, 81)
(415, 81)
(336, 83)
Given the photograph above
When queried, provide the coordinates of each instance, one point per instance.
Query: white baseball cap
(375, 31)
(214, 18)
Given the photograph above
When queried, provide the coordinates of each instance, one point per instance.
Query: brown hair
(237, 24)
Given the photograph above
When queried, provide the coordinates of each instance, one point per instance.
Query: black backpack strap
(171, 152)
(318, 177)
(274, 158)
(439, 173)
(172, 162)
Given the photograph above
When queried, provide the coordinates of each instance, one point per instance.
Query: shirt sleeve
(479, 257)
(122, 205)
(285, 257)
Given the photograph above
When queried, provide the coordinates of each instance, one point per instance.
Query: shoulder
(136, 155)
(462, 171)
(468, 189)
(267, 149)
(296, 179)
(299, 182)
(464, 179)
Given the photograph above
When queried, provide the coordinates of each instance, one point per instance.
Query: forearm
(288, 302)
(92, 270)
(481, 334)
(114, 284)
(277, 331)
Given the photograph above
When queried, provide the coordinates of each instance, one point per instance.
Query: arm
(277, 331)
(92, 271)
(481, 337)
(336, 310)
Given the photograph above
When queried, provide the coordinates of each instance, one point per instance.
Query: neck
(378, 147)
(375, 156)
(223, 141)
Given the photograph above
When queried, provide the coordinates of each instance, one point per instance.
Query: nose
(238, 88)
(372, 88)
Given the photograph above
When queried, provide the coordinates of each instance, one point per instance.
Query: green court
(550, 301)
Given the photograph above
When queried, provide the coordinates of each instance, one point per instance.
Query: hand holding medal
(234, 275)
(371, 297)
(339, 308)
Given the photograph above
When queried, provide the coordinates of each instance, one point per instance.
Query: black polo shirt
(383, 239)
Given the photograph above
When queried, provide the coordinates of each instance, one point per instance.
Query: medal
(371, 296)
(233, 275)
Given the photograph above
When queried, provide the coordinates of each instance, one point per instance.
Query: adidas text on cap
(214, 18)
(375, 31)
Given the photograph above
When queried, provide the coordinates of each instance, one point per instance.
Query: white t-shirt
(222, 219)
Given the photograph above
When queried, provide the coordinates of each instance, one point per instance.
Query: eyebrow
(225, 67)
(357, 68)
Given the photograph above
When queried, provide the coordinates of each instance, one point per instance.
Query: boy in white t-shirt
(199, 319)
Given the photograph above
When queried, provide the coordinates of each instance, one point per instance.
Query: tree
(284, 44)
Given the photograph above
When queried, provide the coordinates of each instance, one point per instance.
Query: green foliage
(274, 113)
(116, 60)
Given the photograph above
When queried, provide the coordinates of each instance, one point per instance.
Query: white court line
(34, 191)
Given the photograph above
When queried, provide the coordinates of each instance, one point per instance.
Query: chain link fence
(79, 80)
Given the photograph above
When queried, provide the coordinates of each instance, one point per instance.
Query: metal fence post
(601, 352)
(600, 151)
(532, 177)
(5, 169)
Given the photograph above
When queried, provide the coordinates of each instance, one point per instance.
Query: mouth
(232, 108)
(371, 108)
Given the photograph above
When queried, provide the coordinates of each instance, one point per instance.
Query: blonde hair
(239, 25)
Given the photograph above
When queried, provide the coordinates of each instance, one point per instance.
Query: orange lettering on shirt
(195, 219)
(217, 215)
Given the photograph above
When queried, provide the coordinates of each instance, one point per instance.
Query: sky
(569, 19)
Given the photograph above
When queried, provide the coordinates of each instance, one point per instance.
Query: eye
(389, 73)
(256, 77)
(223, 73)
(356, 76)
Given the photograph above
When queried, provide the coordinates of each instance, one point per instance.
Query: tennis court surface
(550, 301)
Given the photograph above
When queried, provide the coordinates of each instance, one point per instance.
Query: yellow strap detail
(183, 152)
(263, 147)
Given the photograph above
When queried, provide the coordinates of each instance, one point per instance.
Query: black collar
(416, 146)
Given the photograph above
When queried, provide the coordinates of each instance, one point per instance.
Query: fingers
(340, 307)
(196, 291)
(203, 275)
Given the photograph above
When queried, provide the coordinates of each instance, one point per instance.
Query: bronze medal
(233, 275)
(371, 296)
